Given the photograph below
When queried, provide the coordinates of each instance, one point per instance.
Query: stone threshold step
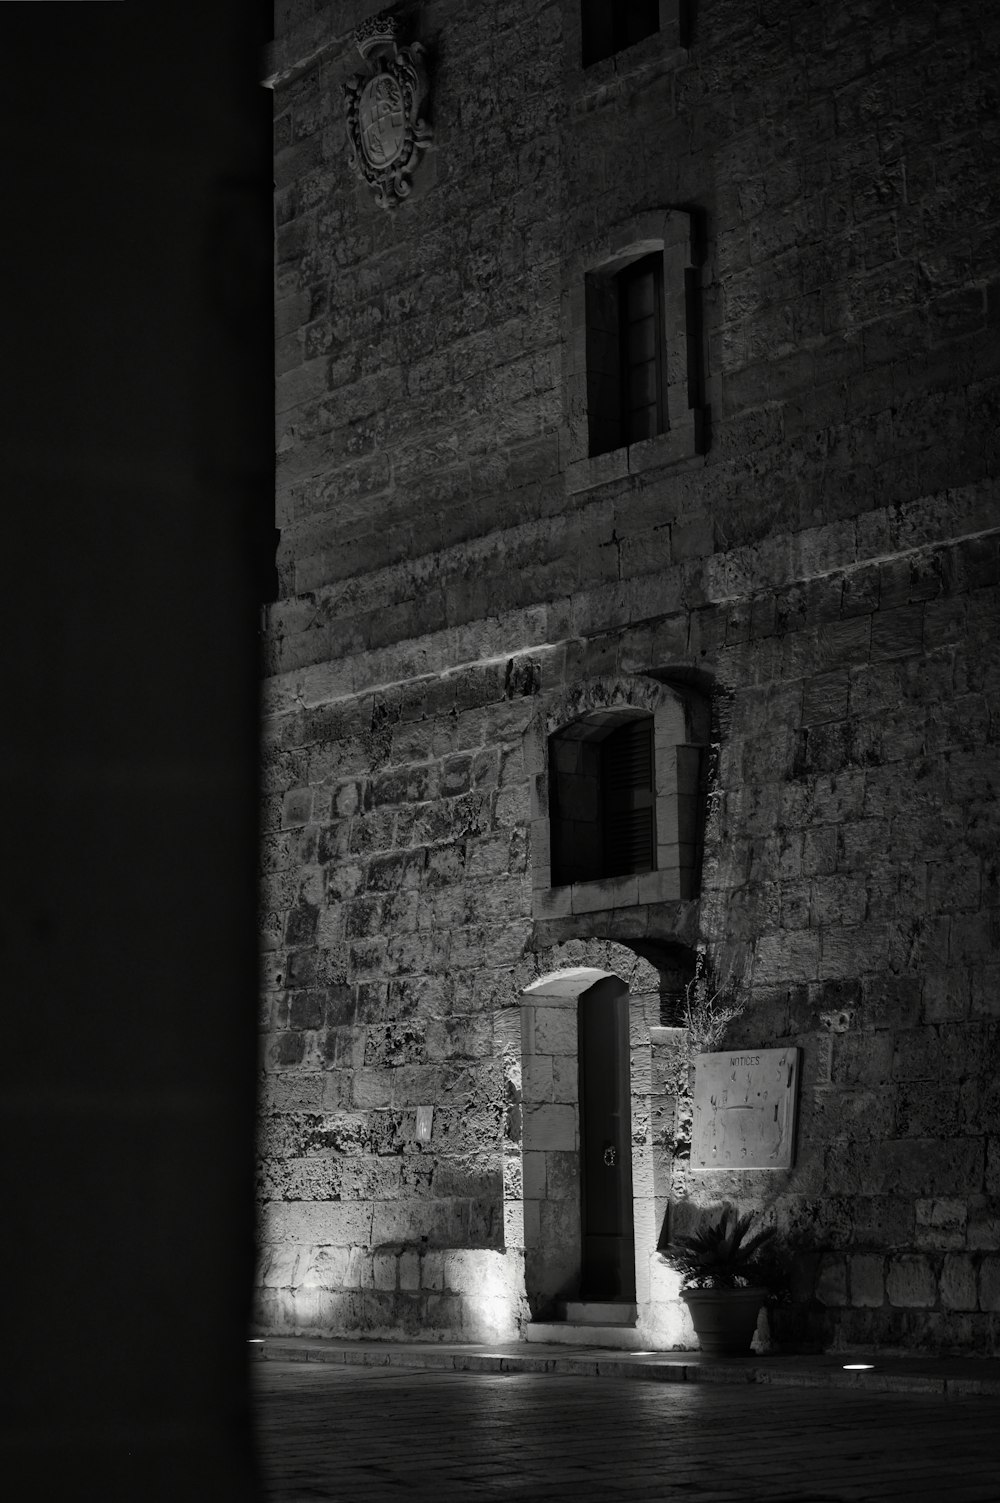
(584, 1333)
(599, 1312)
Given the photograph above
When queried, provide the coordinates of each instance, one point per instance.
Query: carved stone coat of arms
(385, 130)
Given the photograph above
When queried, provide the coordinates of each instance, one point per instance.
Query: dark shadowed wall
(137, 479)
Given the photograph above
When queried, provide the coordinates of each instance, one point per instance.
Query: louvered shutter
(628, 799)
(640, 329)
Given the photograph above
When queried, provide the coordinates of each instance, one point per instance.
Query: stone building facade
(648, 442)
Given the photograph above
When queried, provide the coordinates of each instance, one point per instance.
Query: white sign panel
(744, 1109)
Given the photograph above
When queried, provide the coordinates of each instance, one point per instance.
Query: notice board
(744, 1109)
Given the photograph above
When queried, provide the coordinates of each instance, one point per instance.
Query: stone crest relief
(385, 129)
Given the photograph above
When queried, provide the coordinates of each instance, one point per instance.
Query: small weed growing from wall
(708, 1012)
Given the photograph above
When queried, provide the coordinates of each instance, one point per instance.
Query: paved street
(370, 1435)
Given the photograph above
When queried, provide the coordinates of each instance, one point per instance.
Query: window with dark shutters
(625, 355)
(628, 800)
(602, 800)
(640, 325)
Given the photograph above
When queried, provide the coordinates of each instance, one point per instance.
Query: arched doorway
(578, 1031)
(551, 1173)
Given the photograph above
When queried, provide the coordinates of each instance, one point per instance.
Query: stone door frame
(548, 1205)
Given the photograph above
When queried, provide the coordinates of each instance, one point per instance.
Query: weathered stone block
(565, 1079)
(895, 632)
(384, 1270)
(555, 1031)
(371, 1087)
(867, 1280)
(562, 1175)
(831, 1284)
(787, 957)
(989, 1282)
(409, 1270)
(925, 1108)
(882, 1221)
(827, 1113)
(983, 1226)
(919, 1167)
(941, 1223)
(910, 1282)
(931, 1052)
(550, 1126)
(958, 1282)
(536, 1078)
(861, 1059)
(985, 999)
(849, 951)
(332, 1224)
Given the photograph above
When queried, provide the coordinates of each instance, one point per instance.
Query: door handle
(610, 1155)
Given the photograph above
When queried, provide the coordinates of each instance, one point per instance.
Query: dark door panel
(606, 1155)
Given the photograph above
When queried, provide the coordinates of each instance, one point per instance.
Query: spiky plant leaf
(720, 1254)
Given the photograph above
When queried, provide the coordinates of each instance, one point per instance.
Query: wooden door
(605, 1144)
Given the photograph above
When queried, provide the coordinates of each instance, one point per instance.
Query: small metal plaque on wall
(744, 1109)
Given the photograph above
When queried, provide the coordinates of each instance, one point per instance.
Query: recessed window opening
(602, 798)
(610, 25)
(625, 355)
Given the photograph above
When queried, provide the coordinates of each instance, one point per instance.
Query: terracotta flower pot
(724, 1319)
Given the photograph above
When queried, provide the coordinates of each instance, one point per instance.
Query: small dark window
(625, 355)
(602, 800)
(610, 25)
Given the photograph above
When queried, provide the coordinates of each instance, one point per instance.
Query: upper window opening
(610, 25)
(625, 355)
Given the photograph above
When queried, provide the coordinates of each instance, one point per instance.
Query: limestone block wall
(819, 564)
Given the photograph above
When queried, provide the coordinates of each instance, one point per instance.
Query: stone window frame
(671, 36)
(681, 730)
(673, 234)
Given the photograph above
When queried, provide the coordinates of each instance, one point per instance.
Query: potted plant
(725, 1278)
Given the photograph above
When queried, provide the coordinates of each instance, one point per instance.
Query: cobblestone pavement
(371, 1435)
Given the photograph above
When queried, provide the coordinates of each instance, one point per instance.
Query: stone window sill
(678, 447)
(607, 893)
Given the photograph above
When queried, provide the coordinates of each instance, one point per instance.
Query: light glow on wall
(493, 1305)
